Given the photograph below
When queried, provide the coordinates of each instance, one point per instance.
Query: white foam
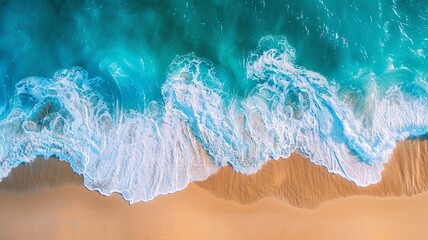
(142, 155)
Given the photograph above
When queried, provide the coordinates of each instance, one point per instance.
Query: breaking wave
(199, 127)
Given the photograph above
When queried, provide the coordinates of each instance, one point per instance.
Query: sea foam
(141, 154)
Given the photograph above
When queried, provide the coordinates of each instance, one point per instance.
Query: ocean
(134, 94)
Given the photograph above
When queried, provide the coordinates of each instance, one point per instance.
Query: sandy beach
(306, 185)
(287, 199)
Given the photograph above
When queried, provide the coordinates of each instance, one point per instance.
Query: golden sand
(226, 206)
(72, 212)
(40, 173)
(303, 184)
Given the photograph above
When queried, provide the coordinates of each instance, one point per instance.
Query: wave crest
(161, 150)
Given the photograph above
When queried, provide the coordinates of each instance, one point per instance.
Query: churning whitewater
(141, 154)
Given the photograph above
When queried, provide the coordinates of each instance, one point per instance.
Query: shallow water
(339, 82)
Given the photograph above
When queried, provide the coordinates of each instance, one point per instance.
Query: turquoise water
(132, 92)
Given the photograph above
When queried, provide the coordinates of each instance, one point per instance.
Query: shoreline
(47, 200)
(306, 185)
(294, 180)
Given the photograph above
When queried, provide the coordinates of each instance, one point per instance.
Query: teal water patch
(139, 39)
(244, 81)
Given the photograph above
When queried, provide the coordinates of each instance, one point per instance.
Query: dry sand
(72, 212)
(55, 205)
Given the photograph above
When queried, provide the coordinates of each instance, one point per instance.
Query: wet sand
(306, 185)
(287, 199)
